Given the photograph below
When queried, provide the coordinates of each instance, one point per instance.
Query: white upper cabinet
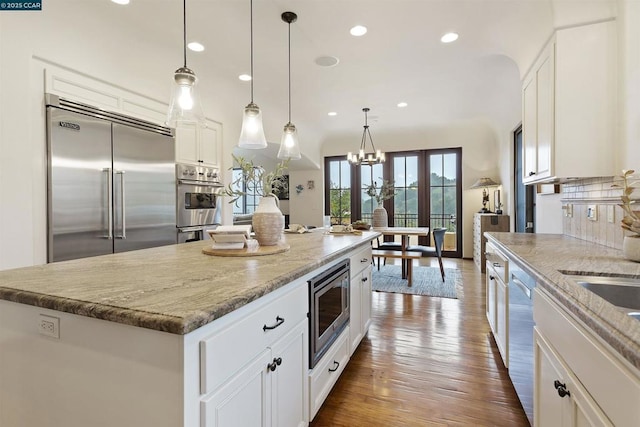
(199, 145)
(569, 106)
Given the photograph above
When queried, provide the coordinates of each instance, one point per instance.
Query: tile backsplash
(593, 193)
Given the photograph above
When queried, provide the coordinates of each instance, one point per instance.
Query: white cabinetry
(359, 297)
(263, 367)
(569, 107)
(497, 276)
(578, 379)
(199, 145)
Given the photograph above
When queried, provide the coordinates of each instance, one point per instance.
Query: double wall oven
(198, 191)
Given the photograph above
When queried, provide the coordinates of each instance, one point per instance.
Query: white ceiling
(401, 58)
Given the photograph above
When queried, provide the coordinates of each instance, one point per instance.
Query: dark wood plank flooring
(426, 362)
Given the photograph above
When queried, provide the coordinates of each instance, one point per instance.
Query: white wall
(307, 207)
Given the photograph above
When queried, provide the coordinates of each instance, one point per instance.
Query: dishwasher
(521, 364)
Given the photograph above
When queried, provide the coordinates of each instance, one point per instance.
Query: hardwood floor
(426, 362)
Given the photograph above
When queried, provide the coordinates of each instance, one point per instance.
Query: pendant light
(289, 146)
(184, 106)
(252, 134)
(375, 156)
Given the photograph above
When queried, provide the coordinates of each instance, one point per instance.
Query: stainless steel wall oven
(328, 309)
(197, 200)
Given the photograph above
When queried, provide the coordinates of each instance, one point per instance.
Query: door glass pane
(436, 170)
(339, 192)
(405, 202)
(443, 187)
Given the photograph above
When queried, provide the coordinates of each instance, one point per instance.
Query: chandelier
(371, 158)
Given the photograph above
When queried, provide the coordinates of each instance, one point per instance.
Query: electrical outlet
(611, 214)
(49, 326)
(592, 212)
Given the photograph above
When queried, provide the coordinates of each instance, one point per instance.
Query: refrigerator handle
(109, 186)
(123, 234)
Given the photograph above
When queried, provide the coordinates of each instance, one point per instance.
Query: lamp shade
(252, 135)
(485, 182)
(289, 147)
(185, 106)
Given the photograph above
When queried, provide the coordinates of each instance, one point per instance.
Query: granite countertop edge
(606, 321)
(180, 325)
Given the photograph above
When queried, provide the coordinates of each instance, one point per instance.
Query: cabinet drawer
(226, 351)
(498, 263)
(360, 260)
(327, 371)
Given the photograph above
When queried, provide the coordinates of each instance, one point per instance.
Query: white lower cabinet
(269, 391)
(578, 380)
(359, 297)
(497, 300)
(327, 371)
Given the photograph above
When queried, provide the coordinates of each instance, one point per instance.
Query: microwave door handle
(123, 234)
(109, 227)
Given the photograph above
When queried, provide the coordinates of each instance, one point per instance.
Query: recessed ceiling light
(358, 31)
(402, 104)
(244, 77)
(332, 113)
(327, 61)
(449, 37)
(121, 1)
(195, 46)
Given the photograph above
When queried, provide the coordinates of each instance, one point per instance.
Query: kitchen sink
(620, 291)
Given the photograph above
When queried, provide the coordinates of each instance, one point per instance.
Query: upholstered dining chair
(432, 251)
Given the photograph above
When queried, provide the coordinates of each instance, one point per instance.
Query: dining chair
(432, 251)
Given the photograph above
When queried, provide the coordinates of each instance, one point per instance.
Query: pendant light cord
(251, 35)
(184, 31)
(289, 72)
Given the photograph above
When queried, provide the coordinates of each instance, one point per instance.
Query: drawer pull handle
(274, 365)
(497, 264)
(336, 366)
(364, 260)
(531, 173)
(364, 279)
(491, 277)
(562, 389)
(279, 321)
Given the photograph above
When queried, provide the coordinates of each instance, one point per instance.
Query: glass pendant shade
(252, 133)
(289, 147)
(185, 106)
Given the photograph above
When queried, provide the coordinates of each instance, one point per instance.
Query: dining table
(404, 233)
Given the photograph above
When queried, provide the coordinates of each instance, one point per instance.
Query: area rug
(426, 281)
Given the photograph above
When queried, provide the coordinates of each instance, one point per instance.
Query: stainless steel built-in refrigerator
(111, 182)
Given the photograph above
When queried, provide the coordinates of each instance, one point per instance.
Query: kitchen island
(127, 339)
(586, 344)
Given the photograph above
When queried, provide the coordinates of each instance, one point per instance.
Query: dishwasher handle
(521, 285)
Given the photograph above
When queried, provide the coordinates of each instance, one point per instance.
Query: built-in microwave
(328, 309)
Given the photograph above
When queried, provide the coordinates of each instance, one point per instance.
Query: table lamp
(485, 183)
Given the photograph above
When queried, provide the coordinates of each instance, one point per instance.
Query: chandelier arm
(371, 140)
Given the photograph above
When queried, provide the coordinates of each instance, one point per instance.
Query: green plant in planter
(256, 178)
(631, 219)
(384, 192)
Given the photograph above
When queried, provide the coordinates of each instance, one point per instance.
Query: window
(368, 175)
(405, 179)
(245, 204)
(338, 190)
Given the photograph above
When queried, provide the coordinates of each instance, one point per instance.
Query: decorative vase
(380, 218)
(268, 221)
(631, 248)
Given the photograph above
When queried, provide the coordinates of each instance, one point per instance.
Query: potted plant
(267, 221)
(631, 220)
(380, 194)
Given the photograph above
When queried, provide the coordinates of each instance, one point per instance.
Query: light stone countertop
(173, 288)
(543, 255)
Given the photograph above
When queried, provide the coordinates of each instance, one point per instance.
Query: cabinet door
(549, 408)
(365, 302)
(245, 400)
(529, 128)
(355, 312)
(290, 397)
(545, 115)
(187, 144)
(491, 299)
(209, 141)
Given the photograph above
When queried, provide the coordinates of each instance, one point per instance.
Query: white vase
(380, 218)
(631, 248)
(268, 221)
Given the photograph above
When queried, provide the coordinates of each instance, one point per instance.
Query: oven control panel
(197, 173)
